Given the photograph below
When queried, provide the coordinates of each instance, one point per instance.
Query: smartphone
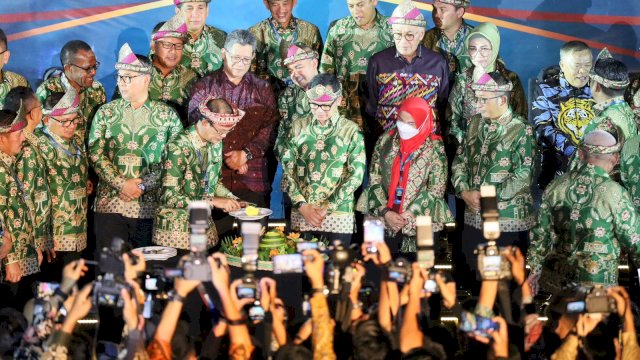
(431, 286)
(46, 290)
(306, 245)
(288, 264)
(477, 325)
(576, 307)
(256, 312)
(373, 233)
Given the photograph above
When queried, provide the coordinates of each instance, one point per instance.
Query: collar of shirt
(596, 171)
(191, 39)
(5, 79)
(418, 55)
(564, 83)
(611, 102)
(225, 79)
(147, 104)
(196, 140)
(329, 125)
(378, 20)
(293, 24)
(458, 38)
(503, 120)
(7, 159)
(65, 144)
(176, 69)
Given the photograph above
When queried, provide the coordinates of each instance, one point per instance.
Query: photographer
(322, 334)
(192, 169)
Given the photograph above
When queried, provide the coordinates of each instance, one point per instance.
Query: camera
(399, 271)
(106, 290)
(478, 325)
(597, 301)
(339, 272)
(248, 289)
(108, 285)
(424, 242)
(196, 266)
(250, 241)
(489, 213)
(110, 259)
(256, 311)
(578, 299)
(492, 263)
(373, 233)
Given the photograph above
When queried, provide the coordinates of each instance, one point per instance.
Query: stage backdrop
(532, 31)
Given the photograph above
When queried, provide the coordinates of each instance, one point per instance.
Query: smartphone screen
(491, 263)
(246, 292)
(575, 307)
(286, 264)
(306, 245)
(373, 233)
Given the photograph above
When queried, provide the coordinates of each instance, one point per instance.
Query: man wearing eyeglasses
(125, 145)
(80, 68)
(447, 37)
(246, 147)
(66, 164)
(203, 44)
(192, 171)
(170, 80)
(350, 43)
(281, 29)
(405, 70)
(8, 79)
(498, 150)
(323, 165)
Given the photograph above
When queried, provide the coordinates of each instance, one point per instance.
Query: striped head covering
(407, 14)
(18, 123)
(68, 104)
(295, 53)
(175, 27)
(127, 60)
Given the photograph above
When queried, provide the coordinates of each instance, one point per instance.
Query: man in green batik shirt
(350, 43)
(609, 79)
(323, 165)
(18, 253)
(293, 103)
(8, 79)
(170, 80)
(31, 167)
(126, 143)
(66, 164)
(80, 68)
(281, 29)
(584, 219)
(202, 49)
(447, 37)
(192, 164)
(498, 150)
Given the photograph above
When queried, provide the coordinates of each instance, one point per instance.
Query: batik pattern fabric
(452, 50)
(269, 34)
(346, 54)
(392, 79)
(615, 111)
(127, 143)
(427, 181)
(323, 166)
(203, 55)
(187, 162)
(33, 175)
(630, 169)
(91, 99)
(584, 219)
(293, 104)
(173, 88)
(9, 81)
(498, 153)
(462, 105)
(632, 96)
(17, 216)
(67, 172)
(560, 114)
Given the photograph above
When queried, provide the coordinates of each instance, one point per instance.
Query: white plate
(242, 214)
(157, 252)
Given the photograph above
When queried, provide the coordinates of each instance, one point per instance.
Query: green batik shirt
(584, 219)
(293, 104)
(452, 50)
(9, 81)
(203, 54)
(33, 174)
(17, 218)
(323, 166)
(173, 88)
(498, 153)
(619, 113)
(269, 33)
(91, 99)
(191, 171)
(630, 169)
(426, 184)
(127, 143)
(67, 168)
(346, 54)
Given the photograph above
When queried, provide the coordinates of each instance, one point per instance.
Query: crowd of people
(385, 119)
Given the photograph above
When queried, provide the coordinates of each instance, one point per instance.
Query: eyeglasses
(169, 45)
(89, 68)
(126, 79)
(324, 107)
(237, 59)
(483, 101)
(484, 51)
(407, 36)
(76, 120)
(4, 51)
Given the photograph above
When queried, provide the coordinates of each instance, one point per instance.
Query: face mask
(406, 131)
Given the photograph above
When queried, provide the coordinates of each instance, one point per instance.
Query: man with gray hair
(584, 219)
(246, 147)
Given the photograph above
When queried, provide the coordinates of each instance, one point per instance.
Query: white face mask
(406, 131)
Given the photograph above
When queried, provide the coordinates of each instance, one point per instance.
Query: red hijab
(422, 114)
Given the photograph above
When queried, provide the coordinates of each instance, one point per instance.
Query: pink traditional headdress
(127, 60)
(68, 104)
(175, 27)
(225, 120)
(407, 14)
(295, 53)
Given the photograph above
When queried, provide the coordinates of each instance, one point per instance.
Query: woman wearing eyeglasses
(407, 177)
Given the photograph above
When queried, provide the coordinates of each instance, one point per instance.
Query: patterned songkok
(224, 120)
(127, 60)
(175, 27)
(295, 53)
(68, 104)
(608, 83)
(407, 14)
(18, 123)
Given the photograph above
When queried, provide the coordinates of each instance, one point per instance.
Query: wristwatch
(248, 153)
(298, 205)
(323, 290)
(384, 212)
(174, 296)
(142, 187)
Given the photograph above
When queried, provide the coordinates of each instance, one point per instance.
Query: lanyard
(55, 143)
(402, 165)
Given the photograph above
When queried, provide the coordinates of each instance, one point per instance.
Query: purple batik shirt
(255, 131)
